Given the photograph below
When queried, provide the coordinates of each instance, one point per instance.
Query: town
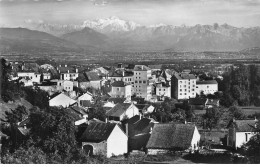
(127, 112)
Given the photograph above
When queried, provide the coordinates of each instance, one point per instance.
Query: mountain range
(114, 34)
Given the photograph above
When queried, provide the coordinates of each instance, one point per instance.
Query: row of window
(144, 82)
(186, 86)
(185, 93)
(188, 82)
(186, 90)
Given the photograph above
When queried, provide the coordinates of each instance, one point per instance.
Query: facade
(46, 76)
(142, 87)
(86, 96)
(105, 138)
(68, 73)
(207, 87)
(65, 85)
(170, 136)
(163, 89)
(122, 111)
(61, 100)
(240, 132)
(183, 86)
(121, 89)
(35, 77)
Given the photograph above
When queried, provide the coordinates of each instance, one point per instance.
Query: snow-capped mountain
(111, 24)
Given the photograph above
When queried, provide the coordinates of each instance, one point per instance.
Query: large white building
(207, 87)
(34, 77)
(68, 73)
(142, 87)
(183, 86)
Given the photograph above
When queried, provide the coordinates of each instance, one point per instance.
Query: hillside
(25, 40)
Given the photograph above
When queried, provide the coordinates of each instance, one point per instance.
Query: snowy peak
(111, 24)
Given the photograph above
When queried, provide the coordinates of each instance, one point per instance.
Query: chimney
(126, 129)
(185, 122)
(65, 65)
(142, 67)
(60, 65)
(106, 120)
(140, 116)
(151, 129)
(123, 73)
(77, 70)
(256, 122)
(68, 71)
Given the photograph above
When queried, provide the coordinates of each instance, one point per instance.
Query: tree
(97, 111)
(179, 115)
(236, 113)
(211, 118)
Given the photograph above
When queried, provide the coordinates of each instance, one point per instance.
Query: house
(163, 90)
(68, 73)
(66, 85)
(198, 103)
(142, 86)
(212, 103)
(240, 132)
(138, 131)
(105, 138)
(94, 79)
(61, 100)
(121, 75)
(183, 86)
(172, 137)
(207, 87)
(122, 111)
(86, 96)
(121, 89)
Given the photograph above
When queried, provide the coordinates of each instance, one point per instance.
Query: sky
(240, 13)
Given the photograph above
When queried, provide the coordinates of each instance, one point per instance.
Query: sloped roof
(85, 103)
(243, 125)
(97, 132)
(92, 76)
(185, 76)
(119, 73)
(82, 77)
(141, 68)
(206, 82)
(171, 136)
(155, 66)
(119, 84)
(116, 100)
(118, 110)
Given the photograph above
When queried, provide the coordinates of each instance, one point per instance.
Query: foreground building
(105, 138)
(173, 137)
(240, 132)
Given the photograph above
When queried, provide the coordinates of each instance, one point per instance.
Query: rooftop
(118, 110)
(243, 125)
(171, 136)
(185, 76)
(141, 68)
(206, 82)
(119, 84)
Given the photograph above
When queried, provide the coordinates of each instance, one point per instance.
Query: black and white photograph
(130, 82)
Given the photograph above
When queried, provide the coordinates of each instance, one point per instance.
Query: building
(173, 137)
(34, 77)
(105, 138)
(61, 100)
(121, 89)
(142, 87)
(163, 89)
(86, 96)
(121, 75)
(66, 85)
(122, 111)
(207, 87)
(183, 86)
(68, 73)
(240, 132)
(93, 79)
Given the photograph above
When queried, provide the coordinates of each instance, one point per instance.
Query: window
(197, 87)
(159, 89)
(139, 73)
(180, 93)
(180, 90)
(144, 82)
(163, 89)
(185, 93)
(136, 82)
(193, 90)
(184, 86)
(185, 90)
(139, 77)
(117, 89)
(207, 86)
(140, 81)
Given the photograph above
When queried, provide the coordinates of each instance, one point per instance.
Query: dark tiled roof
(92, 76)
(82, 78)
(118, 110)
(185, 76)
(141, 68)
(138, 142)
(79, 110)
(206, 82)
(119, 84)
(119, 73)
(155, 66)
(97, 132)
(65, 69)
(116, 100)
(243, 125)
(171, 136)
(85, 103)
